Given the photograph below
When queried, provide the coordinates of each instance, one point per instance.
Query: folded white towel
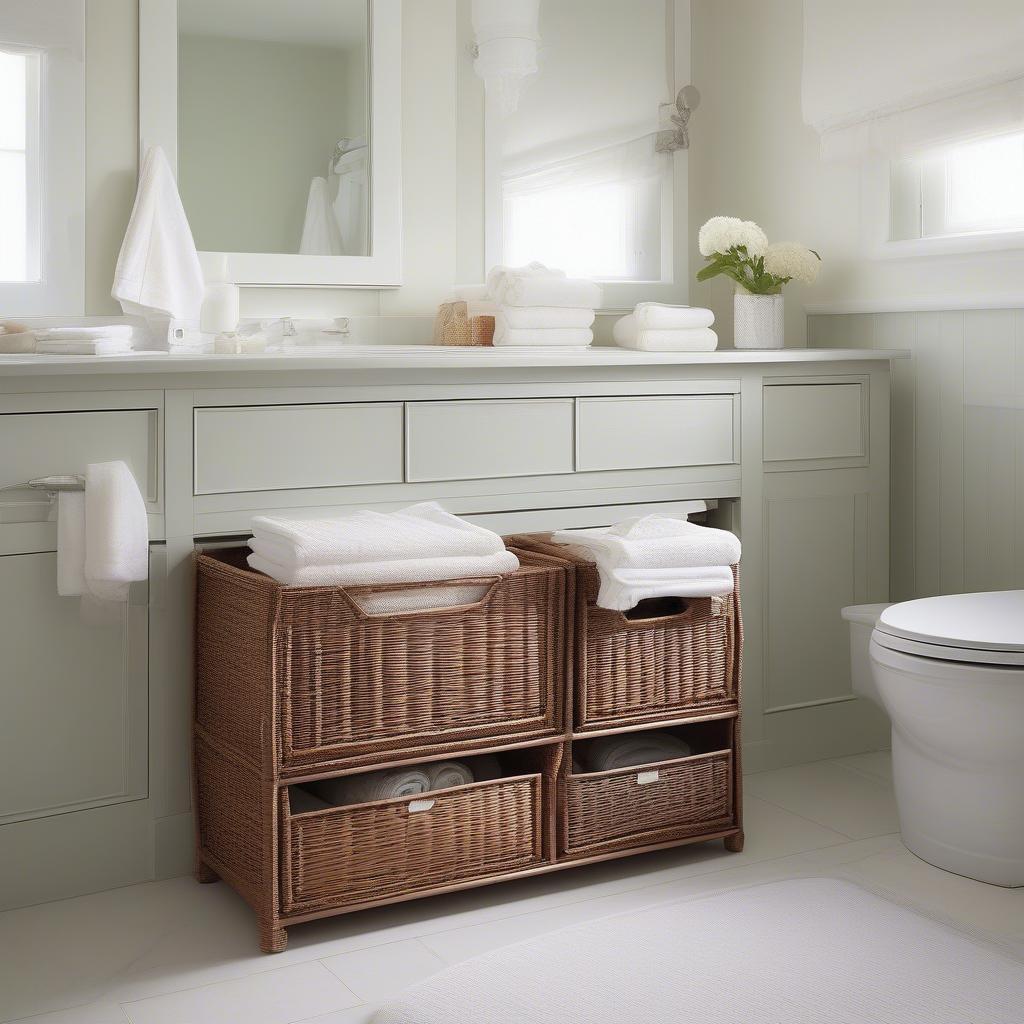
(656, 542)
(658, 315)
(622, 589)
(498, 276)
(555, 337)
(627, 750)
(419, 599)
(97, 347)
(116, 531)
(470, 293)
(537, 289)
(448, 774)
(391, 784)
(122, 331)
(71, 543)
(545, 317)
(422, 531)
(628, 335)
(412, 570)
(158, 273)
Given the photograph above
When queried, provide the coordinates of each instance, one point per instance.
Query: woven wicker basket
(651, 665)
(366, 853)
(454, 326)
(348, 685)
(656, 803)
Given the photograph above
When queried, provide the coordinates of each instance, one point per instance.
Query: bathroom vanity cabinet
(790, 449)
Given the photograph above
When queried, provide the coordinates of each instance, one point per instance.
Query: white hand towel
(628, 335)
(498, 276)
(158, 273)
(71, 543)
(622, 589)
(655, 542)
(555, 337)
(421, 531)
(546, 290)
(544, 317)
(122, 331)
(413, 570)
(320, 233)
(658, 315)
(448, 774)
(98, 347)
(632, 749)
(116, 531)
(470, 293)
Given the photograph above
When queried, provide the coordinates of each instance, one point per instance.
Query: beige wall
(440, 236)
(753, 157)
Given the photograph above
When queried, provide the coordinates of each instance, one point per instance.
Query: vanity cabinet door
(73, 739)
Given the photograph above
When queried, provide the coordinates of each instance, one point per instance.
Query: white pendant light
(506, 47)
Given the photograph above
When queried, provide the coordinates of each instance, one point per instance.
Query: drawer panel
(63, 443)
(656, 432)
(474, 440)
(282, 447)
(815, 421)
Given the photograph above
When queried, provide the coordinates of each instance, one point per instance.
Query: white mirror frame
(158, 126)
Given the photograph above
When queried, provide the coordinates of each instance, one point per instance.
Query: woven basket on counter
(454, 326)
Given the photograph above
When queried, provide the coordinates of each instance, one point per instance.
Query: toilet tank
(862, 619)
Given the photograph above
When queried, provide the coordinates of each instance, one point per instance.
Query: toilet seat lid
(987, 627)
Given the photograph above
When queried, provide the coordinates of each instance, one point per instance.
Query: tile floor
(178, 953)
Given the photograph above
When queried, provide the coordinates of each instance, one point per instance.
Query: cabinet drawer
(477, 439)
(64, 443)
(282, 447)
(656, 432)
(815, 421)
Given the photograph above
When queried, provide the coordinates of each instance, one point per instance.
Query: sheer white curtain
(596, 215)
(899, 76)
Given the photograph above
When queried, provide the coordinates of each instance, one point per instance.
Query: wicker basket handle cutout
(693, 608)
(349, 598)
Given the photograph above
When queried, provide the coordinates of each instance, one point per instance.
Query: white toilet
(950, 673)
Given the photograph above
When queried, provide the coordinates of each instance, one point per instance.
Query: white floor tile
(273, 997)
(839, 798)
(876, 765)
(378, 973)
(96, 1013)
(361, 1014)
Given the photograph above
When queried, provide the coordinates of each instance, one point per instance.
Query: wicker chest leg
(734, 843)
(273, 939)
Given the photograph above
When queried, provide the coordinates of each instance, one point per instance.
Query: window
(19, 166)
(974, 188)
(596, 216)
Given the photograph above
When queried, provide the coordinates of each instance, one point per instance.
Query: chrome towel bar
(54, 484)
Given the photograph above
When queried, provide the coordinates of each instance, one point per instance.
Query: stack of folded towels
(656, 556)
(628, 750)
(418, 544)
(655, 327)
(393, 783)
(111, 340)
(536, 306)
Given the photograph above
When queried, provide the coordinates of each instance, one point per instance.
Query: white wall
(436, 158)
(753, 157)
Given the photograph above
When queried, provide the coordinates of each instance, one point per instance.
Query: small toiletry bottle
(219, 314)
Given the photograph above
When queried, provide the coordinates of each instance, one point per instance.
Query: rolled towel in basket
(421, 531)
(412, 570)
(391, 784)
(448, 774)
(634, 748)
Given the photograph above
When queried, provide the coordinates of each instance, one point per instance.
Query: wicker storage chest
(669, 658)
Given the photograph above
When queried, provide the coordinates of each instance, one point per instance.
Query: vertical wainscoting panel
(957, 444)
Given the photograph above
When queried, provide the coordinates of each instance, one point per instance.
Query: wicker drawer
(647, 805)
(396, 848)
(662, 660)
(352, 687)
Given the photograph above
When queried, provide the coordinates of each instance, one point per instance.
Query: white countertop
(378, 357)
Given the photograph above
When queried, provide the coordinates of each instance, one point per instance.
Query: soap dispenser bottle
(219, 312)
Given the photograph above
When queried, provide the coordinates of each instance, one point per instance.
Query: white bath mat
(806, 951)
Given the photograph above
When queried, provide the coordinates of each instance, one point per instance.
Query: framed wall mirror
(283, 124)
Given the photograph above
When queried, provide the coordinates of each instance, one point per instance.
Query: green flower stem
(747, 271)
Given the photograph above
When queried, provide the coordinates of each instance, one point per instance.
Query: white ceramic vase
(759, 321)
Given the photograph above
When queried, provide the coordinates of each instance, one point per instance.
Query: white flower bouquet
(739, 249)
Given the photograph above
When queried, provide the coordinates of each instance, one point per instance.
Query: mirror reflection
(273, 125)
